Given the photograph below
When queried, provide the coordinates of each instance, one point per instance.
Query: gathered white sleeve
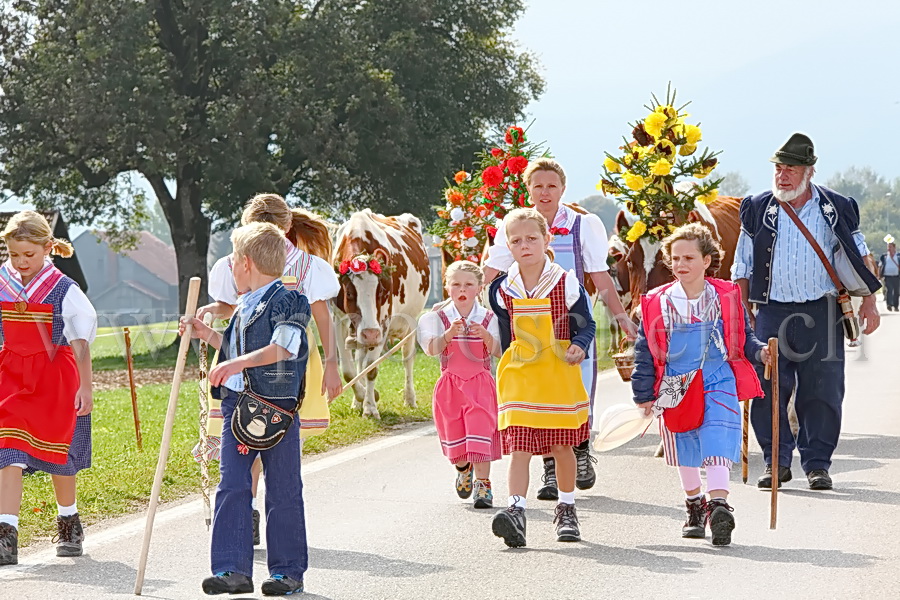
(573, 288)
(594, 244)
(494, 328)
(499, 256)
(430, 328)
(321, 282)
(221, 283)
(79, 316)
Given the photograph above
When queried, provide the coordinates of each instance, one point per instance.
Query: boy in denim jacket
(269, 328)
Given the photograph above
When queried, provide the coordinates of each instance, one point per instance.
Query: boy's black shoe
(9, 544)
(509, 524)
(255, 527)
(69, 536)
(280, 585)
(819, 479)
(695, 525)
(721, 521)
(765, 481)
(227, 582)
(585, 476)
(566, 523)
(549, 491)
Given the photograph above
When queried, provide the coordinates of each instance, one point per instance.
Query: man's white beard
(791, 195)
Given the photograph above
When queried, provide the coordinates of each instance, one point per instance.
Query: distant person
(269, 327)
(698, 325)
(889, 273)
(579, 244)
(777, 269)
(465, 335)
(46, 396)
(546, 328)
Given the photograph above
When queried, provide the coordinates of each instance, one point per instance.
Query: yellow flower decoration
(611, 165)
(692, 134)
(658, 230)
(636, 231)
(634, 182)
(702, 172)
(665, 147)
(667, 110)
(662, 167)
(687, 149)
(654, 123)
(628, 159)
(672, 227)
(608, 187)
(708, 197)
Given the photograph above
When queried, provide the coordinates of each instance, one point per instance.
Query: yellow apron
(536, 387)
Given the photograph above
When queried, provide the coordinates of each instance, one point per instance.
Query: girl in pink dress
(465, 336)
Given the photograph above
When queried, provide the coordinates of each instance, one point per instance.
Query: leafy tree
(862, 183)
(879, 203)
(734, 184)
(339, 104)
(603, 207)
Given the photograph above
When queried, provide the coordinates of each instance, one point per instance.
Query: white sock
(566, 497)
(67, 511)
(695, 496)
(10, 519)
(517, 501)
(253, 504)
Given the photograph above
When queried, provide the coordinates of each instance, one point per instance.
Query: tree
(879, 202)
(603, 207)
(734, 184)
(861, 183)
(340, 104)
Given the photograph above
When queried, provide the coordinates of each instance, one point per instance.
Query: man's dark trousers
(892, 290)
(810, 359)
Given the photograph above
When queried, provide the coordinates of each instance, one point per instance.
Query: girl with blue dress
(699, 322)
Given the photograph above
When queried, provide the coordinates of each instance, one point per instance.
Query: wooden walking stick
(189, 310)
(204, 415)
(134, 406)
(772, 376)
(745, 442)
(380, 360)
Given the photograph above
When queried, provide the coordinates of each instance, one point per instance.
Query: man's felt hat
(798, 150)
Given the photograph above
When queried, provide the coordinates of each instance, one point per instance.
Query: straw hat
(620, 423)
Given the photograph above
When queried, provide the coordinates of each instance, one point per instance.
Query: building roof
(141, 289)
(154, 255)
(69, 266)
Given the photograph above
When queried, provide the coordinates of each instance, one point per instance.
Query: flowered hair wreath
(362, 263)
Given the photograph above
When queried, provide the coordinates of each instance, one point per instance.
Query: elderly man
(889, 272)
(579, 244)
(778, 270)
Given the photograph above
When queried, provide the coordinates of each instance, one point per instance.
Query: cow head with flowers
(384, 274)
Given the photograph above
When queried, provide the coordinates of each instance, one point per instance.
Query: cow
(639, 265)
(373, 309)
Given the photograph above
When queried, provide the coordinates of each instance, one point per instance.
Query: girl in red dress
(45, 379)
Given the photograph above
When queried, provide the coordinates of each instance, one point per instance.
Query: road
(385, 523)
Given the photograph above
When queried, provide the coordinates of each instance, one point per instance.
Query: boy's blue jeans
(232, 534)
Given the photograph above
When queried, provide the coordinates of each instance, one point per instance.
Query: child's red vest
(733, 321)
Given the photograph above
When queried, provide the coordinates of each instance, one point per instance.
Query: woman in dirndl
(45, 379)
(465, 336)
(306, 270)
(699, 322)
(546, 328)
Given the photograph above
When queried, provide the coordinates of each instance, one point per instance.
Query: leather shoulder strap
(812, 242)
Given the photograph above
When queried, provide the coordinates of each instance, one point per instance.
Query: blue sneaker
(484, 497)
(281, 585)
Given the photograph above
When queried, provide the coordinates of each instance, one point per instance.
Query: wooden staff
(134, 406)
(204, 415)
(190, 309)
(745, 442)
(378, 362)
(772, 375)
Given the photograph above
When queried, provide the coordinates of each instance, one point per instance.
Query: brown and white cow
(639, 265)
(380, 308)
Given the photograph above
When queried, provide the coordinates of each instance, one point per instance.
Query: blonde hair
(528, 214)
(543, 164)
(310, 233)
(29, 226)
(268, 208)
(464, 266)
(705, 241)
(262, 243)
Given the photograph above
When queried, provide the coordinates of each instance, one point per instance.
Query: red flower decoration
(375, 266)
(496, 152)
(559, 231)
(517, 164)
(475, 259)
(243, 449)
(514, 134)
(468, 232)
(491, 230)
(492, 176)
(345, 266)
(357, 265)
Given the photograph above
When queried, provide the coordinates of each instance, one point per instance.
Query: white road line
(136, 525)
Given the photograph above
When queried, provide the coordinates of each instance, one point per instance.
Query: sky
(755, 72)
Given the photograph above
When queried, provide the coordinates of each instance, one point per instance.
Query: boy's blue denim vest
(279, 383)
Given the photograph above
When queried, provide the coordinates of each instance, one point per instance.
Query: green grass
(150, 347)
